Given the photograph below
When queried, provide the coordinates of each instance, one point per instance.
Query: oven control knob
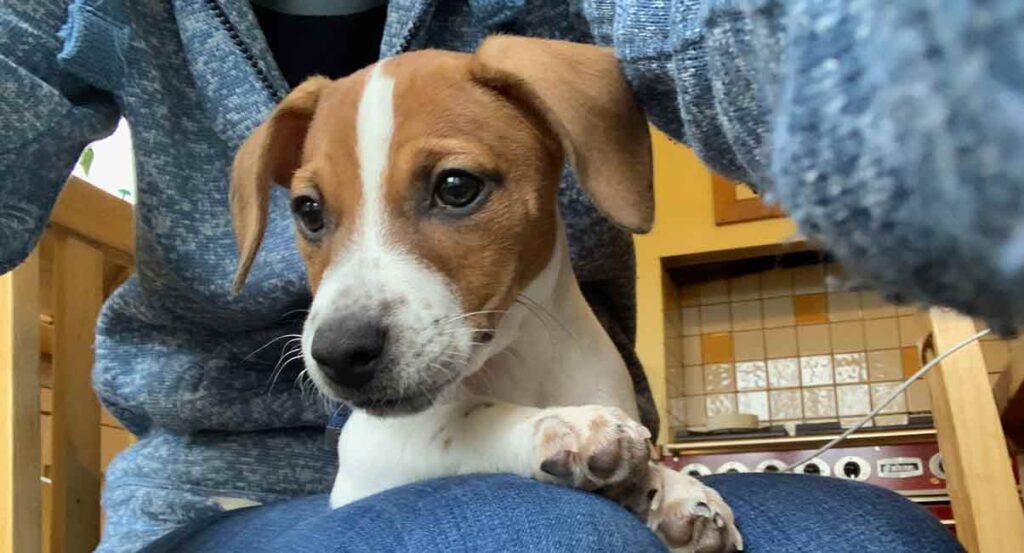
(696, 470)
(853, 468)
(816, 467)
(935, 465)
(732, 466)
(770, 465)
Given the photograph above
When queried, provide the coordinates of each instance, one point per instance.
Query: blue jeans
(776, 513)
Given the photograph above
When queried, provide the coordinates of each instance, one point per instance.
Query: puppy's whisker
(268, 344)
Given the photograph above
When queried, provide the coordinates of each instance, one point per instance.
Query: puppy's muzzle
(350, 350)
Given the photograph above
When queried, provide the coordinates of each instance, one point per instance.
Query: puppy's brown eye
(456, 188)
(309, 213)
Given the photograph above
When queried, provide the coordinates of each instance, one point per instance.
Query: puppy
(445, 309)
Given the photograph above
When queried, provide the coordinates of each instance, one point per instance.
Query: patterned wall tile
(778, 312)
(785, 404)
(850, 368)
(784, 373)
(719, 377)
(751, 375)
(714, 318)
(753, 403)
(816, 370)
(881, 333)
(853, 399)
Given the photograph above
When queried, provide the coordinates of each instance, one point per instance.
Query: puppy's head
(423, 190)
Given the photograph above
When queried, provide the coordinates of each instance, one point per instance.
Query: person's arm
(47, 116)
(892, 132)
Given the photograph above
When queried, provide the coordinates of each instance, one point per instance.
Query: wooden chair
(985, 498)
(48, 310)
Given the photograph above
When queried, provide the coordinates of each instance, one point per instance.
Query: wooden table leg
(986, 503)
(20, 489)
(78, 296)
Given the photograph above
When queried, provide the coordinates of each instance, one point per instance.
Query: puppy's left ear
(271, 154)
(580, 93)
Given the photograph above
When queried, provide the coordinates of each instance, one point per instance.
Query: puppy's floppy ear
(581, 94)
(271, 154)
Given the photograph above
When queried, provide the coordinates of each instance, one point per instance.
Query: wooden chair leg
(20, 489)
(77, 297)
(986, 504)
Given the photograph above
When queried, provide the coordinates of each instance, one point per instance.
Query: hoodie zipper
(247, 52)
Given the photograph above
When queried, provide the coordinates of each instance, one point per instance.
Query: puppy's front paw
(689, 516)
(590, 447)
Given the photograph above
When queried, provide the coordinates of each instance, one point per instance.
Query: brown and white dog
(424, 193)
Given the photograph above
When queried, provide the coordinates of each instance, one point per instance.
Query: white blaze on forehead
(372, 272)
(374, 124)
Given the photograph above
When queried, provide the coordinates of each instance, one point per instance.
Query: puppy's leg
(687, 515)
(587, 447)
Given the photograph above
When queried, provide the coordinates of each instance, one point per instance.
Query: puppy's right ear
(270, 155)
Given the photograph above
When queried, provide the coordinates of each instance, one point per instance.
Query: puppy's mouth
(407, 404)
(396, 406)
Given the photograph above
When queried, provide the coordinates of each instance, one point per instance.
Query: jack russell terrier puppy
(445, 309)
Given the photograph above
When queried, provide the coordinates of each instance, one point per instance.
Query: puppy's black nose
(349, 350)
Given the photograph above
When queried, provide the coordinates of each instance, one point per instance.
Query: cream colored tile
(673, 323)
(691, 353)
(776, 283)
(853, 400)
(720, 404)
(996, 354)
(850, 368)
(714, 318)
(690, 321)
(674, 382)
(885, 365)
(751, 375)
(902, 310)
(779, 312)
(847, 422)
(716, 291)
(847, 336)
(813, 340)
(745, 288)
(809, 279)
(696, 412)
(844, 306)
(719, 377)
(673, 351)
(874, 306)
(677, 410)
(693, 380)
(892, 420)
(748, 345)
(780, 342)
(689, 295)
(819, 402)
(746, 315)
(881, 391)
(785, 404)
(919, 400)
(816, 370)
(753, 403)
(784, 373)
(881, 334)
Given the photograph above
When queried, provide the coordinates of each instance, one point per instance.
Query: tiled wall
(791, 345)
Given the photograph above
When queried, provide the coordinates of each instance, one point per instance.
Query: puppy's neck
(549, 344)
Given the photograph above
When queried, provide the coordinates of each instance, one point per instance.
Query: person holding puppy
(889, 130)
